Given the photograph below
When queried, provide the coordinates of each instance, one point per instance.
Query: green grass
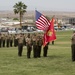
(58, 61)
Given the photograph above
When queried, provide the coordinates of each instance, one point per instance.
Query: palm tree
(20, 8)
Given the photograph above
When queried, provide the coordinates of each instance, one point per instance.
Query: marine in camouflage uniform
(29, 46)
(73, 46)
(3, 40)
(20, 44)
(39, 46)
(0, 40)
(45, 50)
(7, 40)
(34, 42)
(11, 40)
(15, 40)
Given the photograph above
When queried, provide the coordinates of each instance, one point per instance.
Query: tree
(20, 8)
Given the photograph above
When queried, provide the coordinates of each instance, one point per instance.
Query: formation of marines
(31, 41)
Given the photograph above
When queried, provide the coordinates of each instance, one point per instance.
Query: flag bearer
(39, 46)
(45, 50)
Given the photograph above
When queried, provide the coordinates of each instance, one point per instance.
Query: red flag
(50, 33)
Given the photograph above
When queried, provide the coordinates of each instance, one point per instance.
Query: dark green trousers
(73, 52)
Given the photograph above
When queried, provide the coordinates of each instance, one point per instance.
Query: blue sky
(46, 5)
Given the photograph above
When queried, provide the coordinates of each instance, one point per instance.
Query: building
(72, 21)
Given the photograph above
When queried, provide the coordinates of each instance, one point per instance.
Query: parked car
(39, 30)
(4, 29)
(56, 27)
(11, 32)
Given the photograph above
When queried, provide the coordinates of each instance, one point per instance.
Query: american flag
(42, 22)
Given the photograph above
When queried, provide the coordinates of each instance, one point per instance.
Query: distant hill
(30, 14)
